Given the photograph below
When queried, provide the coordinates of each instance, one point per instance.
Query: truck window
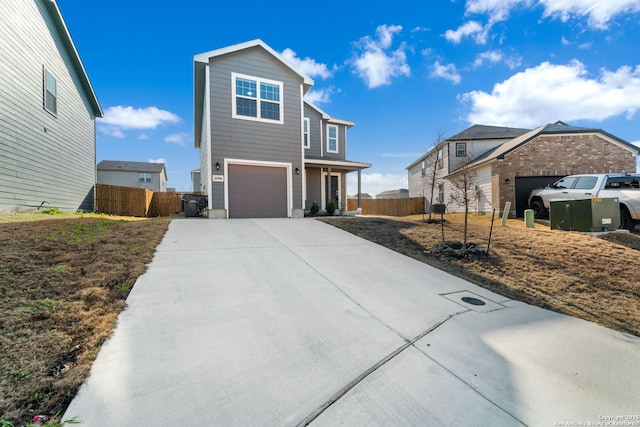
(565, 182)
(586, 183)
(622, 182)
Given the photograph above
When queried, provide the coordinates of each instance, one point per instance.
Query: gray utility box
(585, 215)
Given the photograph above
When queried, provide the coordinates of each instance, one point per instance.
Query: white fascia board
(206, 56)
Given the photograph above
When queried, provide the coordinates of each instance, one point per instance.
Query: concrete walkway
(280, 322)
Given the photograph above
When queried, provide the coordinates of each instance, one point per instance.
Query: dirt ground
(63, 281)
(593, 278)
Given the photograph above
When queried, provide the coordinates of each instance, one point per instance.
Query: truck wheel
(626, 222)
(539, 211)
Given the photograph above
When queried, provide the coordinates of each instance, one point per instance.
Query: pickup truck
(626, 187)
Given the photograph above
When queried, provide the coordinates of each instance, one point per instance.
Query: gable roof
(476, 133)
(327, 117)
(67, 41)
(124, 166)
(557, 128)
(201, 61)
(483, 132)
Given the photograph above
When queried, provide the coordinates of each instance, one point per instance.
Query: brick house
(512, 168)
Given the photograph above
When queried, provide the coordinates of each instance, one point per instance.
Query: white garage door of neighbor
(257, 191)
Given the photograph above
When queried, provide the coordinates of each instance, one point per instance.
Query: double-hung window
(461, 149)
(332, 139)
(144, 177)
(305, 132)
(258, 99)
(50, 93)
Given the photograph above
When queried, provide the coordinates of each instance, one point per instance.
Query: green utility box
(585, 215)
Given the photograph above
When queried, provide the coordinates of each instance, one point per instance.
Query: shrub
(315, 208)
(331, 207)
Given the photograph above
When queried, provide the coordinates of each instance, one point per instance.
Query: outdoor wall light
(507, 180)
(297, 171)
(217, 166)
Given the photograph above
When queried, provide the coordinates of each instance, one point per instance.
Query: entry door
(332, 187)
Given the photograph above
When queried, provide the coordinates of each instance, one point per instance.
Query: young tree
(464, 188)
(430, 168)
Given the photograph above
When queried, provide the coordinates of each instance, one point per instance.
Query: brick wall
(559, 155)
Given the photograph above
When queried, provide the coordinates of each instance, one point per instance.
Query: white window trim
(45, 91)
(337, 150)
(307, 133)
(465, 149)
(258, 80)
(145, 175)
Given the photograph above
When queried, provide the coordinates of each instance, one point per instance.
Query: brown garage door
(257, 192)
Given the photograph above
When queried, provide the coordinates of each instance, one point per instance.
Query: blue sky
(403, 71)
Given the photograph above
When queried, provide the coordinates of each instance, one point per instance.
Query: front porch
(326, 182)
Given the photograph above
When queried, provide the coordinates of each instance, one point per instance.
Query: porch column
(328, 196)
(359, 189)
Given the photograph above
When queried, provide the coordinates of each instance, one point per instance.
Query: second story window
(461, 149)
(144, 177)
(50, 93)
(332, 139)
(305, 132)
(256, 99)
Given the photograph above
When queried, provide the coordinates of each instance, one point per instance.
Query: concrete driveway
(279, 322)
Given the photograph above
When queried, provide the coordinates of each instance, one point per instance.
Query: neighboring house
(47, 112)
(393, 194)
(264, 150)
(362, 196)
(508, 171)
(152, 176)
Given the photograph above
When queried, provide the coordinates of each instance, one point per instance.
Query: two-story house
(47, 112)
(264, 150)
(152, 176)
(505, 164)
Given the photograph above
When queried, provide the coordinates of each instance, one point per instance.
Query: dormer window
(256, 99)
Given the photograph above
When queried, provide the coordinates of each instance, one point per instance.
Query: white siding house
(47, 112)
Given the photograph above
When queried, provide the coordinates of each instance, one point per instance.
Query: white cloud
(376, 183)
(113, 131)
(307, 65)
(489, 56)
(447, 72)
(137, 118)
(319, 96)
(598, 12)
(177, 138)
(549, 92)
(160, 160)
(143, 137)
(377, 66)
(469, 29)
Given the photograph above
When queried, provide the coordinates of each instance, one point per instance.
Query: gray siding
(342, 146)
(131, 179)
(42, 157)
(316, 132)
(314, 183)
(252, 140)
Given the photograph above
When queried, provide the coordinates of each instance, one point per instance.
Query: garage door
(257, 192)
(524, 186)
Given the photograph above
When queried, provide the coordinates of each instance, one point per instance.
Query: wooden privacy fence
(389, 207)
(114, 200)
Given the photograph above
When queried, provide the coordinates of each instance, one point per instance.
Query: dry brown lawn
(63, 281)
(593, 278)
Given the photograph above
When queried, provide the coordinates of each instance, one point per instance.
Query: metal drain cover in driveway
(473, 301)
